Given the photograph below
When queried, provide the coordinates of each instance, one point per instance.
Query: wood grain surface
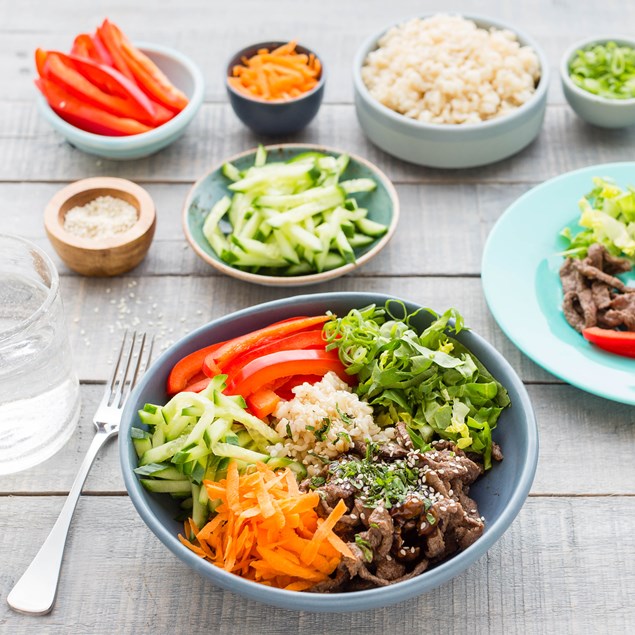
(567, 564)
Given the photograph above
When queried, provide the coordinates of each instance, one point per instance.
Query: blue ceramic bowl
(181, 71)
(596, 110)
(441, 145)
(277, 117)
(500, 494)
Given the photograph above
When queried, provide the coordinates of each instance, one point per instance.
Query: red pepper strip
(112, 41)
(618, 342)
(241, 345)
(285, 390)
(295, 341)
(110, 80)
(263, 402)
(102, 51)
(186, 369)
(40, 59)
(268, 368)
(83, 46)
(64, 74)
(85, 116)
(197, 386)
(151, 79)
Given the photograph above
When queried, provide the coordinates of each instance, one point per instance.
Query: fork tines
(132, 362)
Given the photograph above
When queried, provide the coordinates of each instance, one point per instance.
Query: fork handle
(35, 591)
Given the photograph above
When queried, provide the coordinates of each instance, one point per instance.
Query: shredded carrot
(280, 74)
(268, 531)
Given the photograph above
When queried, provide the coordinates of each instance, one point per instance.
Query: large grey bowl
(500, 494)
(450, 145)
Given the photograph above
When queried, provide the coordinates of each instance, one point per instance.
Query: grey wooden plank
(210, 45)
(570, 422)
(99, 310)
(442, 229)
(32, 151)
(557, 570)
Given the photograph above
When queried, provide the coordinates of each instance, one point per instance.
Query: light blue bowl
(440, 145)
(596, 110)
(500, 494)
(181, 71)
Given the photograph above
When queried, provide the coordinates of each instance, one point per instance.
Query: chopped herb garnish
(321, 433)
(345, 435)
(316, 481)
(310, 428)
(378, 483)
(324, 459)
(345, 418)
(365, 548)
(430, 518)
(289, 431)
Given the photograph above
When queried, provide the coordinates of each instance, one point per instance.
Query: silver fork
(35, 591)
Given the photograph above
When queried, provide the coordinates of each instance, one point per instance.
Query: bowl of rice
(450, 91)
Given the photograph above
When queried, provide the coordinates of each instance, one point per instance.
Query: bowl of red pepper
(117, 100)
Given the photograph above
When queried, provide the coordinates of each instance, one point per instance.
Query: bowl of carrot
(275, 88)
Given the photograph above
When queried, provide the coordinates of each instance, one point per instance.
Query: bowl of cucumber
(290, 214)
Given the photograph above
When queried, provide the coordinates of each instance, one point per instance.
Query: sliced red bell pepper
(263, 402)
(295, 341)
(61, 69)
(197, 386)
(268, 368)
(618, 342)
(241, 345)
(112, 81)
(112, 41)
(85, 116)
(186, 369)
(102, 51)
(152, 79)
(86, 46)
(83, 47)
(285, 391)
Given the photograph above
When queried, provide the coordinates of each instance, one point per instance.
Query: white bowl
(181, 71)
(596, 110)
(450, 145)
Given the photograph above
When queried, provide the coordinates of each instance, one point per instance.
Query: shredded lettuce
(429, 380)
(608, 217)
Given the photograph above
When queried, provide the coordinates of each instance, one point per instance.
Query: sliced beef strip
(572, 311)
(601, 294)
(599, 256)
(402, 436)
(593, 273)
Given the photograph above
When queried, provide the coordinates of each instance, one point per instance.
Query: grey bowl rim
(370, 43)
(566, 80)
(134, 141)
(274, 102)
(333, 602)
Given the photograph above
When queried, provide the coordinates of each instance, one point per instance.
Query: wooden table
(567, 565)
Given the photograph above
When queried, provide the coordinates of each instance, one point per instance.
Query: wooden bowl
(101, 256)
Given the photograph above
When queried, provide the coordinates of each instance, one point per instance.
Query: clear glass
(39, 390)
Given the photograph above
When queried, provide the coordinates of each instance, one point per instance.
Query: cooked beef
(393, 539)
(591, 289)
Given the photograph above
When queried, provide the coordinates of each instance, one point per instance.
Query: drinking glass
(39, 390)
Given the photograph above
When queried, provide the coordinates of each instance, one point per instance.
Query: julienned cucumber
(292, 218)
(193, 438)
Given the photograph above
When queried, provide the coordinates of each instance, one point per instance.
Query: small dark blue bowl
(276, 117)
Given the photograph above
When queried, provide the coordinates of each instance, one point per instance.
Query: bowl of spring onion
(290, 215)
(598, 80)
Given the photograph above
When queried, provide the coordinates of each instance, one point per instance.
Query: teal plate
(382, 205)
(522, 286)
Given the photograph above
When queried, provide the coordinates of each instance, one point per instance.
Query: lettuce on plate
(608, 217)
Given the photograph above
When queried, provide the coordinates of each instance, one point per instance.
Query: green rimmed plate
(382, 205)
(521, 284)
